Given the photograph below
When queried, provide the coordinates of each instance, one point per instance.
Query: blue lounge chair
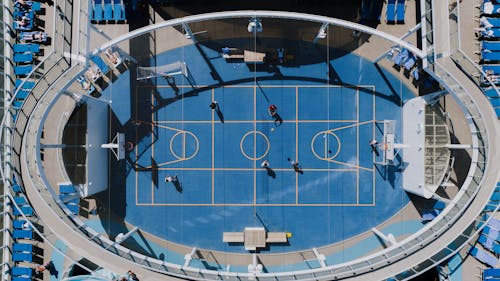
(401, 57)
(23, 48)
(492, 46)
(400, 11)
(488, 56)
(491, 273)
(28, 27)
(22, 247)
(410, 61)
(118, 10)
(22, 70)
(486, 241)
(491, 233)
(22, 234)
(493, 67)
(20, 279)
(487, 8)
(16, 104)
(36, 6)
(429, 215)
(66, 189)
(27, 85)
(20, 200)
(27, 211)
(21, 271)
(98, 14)
(108, 10)
(495, 102)
(73, 208)
(390, 15)
(23, 93)
(34, 36)
(491, 92)
(484, 257)
(19, 257)
(493, 22)
(101, 64)
(19, 224)
(17, 188)
(497, 112)
(26, 58)
(490, 33)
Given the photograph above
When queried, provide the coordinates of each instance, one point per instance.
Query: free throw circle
(254, 145)
(325, 145)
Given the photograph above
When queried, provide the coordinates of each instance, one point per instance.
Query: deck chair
(401, 57)
(101, 64)
(21, 279)
(20, 200)
(26, 85)
(488, 56)
(22, 70)
(489, 22)
(494, 67)
(98, 12)
(400, 11)
(20, 257)
(23, 93)
(491, 46)
(17, 188)
(21, 271)
(23, 58)
(410, 62)
(494, 223)
(108, 10)
(16, 104)
(22, 234)
(66, 189)
(429, 215)
(23, 48)
(484, 257)
(390, 14)
(27, 211)
(73, 208)
(118, 10)
(495, 102)
(491, 92)
(486, 242)
(491, 273)
(490, 33)
(22, 247)
(491, 233)
(19, 224)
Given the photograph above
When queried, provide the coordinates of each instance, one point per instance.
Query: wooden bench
(233, 237)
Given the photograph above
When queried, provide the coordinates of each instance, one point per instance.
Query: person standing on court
(214, 105)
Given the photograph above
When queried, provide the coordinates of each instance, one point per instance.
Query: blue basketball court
(216, 155)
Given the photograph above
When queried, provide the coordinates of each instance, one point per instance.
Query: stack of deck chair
(395, 12)
(70, 198)
(108, 11)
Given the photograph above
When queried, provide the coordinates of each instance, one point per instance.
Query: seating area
(488, 34)
(28, 48)
(108, 11)
(395, 13)
(402, 58)
(487, 248)
(101, 65)
(26, 255)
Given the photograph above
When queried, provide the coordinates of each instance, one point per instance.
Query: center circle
(325, 145)
(252, 144)
(184, 145)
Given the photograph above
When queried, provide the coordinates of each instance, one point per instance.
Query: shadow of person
(171, 83)
(277, 119)
(52, 270)
(219, 114)
(178, 186)
(271, 172)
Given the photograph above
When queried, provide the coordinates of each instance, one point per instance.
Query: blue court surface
(216, 155)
